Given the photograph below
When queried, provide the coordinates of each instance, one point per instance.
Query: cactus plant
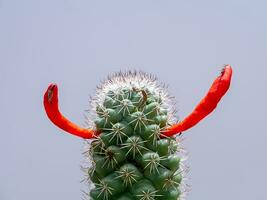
(134, 148)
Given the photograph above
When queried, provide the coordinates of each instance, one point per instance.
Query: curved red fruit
(53, 113)
(217, 90)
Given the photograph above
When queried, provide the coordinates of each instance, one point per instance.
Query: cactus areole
(134, 147)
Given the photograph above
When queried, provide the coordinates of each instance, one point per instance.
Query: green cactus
(131, 159)
(134, 154)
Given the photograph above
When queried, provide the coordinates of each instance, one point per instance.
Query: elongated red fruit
(53, 113)
(217, 90)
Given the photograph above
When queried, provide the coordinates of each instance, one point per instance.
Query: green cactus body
(130, 158)
(134, 154)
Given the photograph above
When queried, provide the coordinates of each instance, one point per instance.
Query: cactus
(131, 158)
(135, 153)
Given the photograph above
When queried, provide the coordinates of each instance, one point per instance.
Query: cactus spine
(131, 159)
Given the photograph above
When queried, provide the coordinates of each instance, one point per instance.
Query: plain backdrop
(77, 43)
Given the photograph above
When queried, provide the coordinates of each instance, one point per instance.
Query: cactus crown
(131, 159)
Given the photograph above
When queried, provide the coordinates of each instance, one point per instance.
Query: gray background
(77, 43)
